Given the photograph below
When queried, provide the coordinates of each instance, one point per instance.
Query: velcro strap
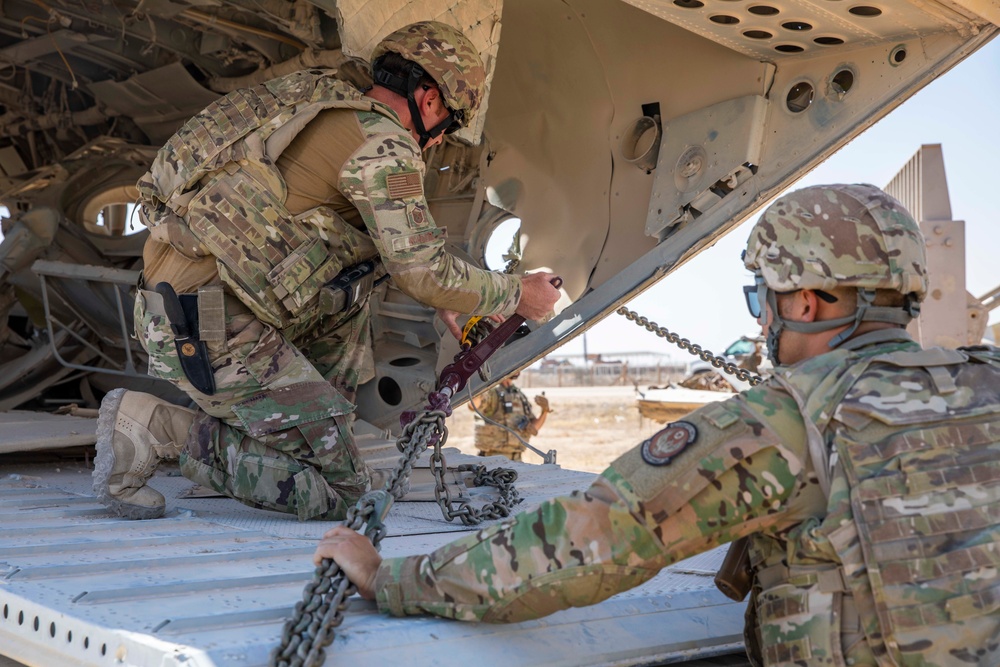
(211, 314)
(394, 598)
(827, 581)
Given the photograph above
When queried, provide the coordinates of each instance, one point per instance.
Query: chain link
(695, 349)
(311, 628)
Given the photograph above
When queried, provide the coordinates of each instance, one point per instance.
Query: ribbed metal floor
(211, 583)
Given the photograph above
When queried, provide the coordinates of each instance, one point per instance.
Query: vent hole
(724, 19)
(799, 97)
(899, 55)
(405, 361)
(763, 10)
(789, 48)
(757, 34)
(389, 391)
(865, 10)
(842, 81)
(689, 4)
(798, 26)
(828, 41)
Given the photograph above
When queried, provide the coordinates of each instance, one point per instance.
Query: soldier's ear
(808, 305)
(431, 96)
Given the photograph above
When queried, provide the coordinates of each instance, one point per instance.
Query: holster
(183, 314)
(735, 576)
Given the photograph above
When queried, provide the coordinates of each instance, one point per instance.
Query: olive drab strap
(214, 189)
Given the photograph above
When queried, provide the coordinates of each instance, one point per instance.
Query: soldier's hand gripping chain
(183, 317)
(735, 576)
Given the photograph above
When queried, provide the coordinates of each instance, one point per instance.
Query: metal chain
(695, 349)
(311, 628)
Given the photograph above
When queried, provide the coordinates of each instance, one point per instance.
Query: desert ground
(589, 426)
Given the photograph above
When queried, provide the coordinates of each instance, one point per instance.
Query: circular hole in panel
(20, 618)
(865, 10)
(69, 637)
(86, 642)
(842, 81)
(789, 48)
(389, 391)
(799, 97)
(501, 240)
(36, 624)
(640, 143)
(52, 630)
(797, 26)
(104, 649)
(724, 19)
(898, 55)
(828, 41)
(763, 10)
(757, 34)
(689, 4)
(405, 361)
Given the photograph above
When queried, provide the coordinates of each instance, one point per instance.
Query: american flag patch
(404, 184)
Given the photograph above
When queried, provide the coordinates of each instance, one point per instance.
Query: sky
(703, 300)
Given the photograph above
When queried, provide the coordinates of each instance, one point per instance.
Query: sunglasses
(756, 297)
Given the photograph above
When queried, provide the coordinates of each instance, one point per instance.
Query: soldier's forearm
(515, 571)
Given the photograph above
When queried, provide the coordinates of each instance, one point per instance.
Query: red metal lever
(456, 375)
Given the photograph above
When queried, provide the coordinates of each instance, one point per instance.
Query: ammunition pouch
(349, 288)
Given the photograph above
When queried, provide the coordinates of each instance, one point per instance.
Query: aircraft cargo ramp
(212, 582)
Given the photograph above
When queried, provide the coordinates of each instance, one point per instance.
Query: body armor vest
(910, 548)
(213, 189)
(512, 410)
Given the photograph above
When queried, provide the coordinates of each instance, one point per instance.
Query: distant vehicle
(704, 383)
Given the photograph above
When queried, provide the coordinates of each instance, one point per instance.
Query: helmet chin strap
(865, 312)
(408, 90)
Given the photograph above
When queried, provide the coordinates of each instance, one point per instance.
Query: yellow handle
(467, 329)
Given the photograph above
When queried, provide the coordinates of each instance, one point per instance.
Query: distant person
(864, 471)
(513, 419)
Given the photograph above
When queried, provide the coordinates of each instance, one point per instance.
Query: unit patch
(664, 445)
(415, 215)
(404, 184)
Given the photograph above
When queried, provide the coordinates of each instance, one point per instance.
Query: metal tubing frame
(128, 370)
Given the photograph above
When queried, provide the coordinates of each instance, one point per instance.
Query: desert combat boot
(134, 432)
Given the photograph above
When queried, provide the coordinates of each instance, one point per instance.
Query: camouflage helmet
(826, 236)
(448, 57)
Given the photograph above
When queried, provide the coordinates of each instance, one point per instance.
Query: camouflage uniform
(867, 477)
(510, 407)
(275, 433)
